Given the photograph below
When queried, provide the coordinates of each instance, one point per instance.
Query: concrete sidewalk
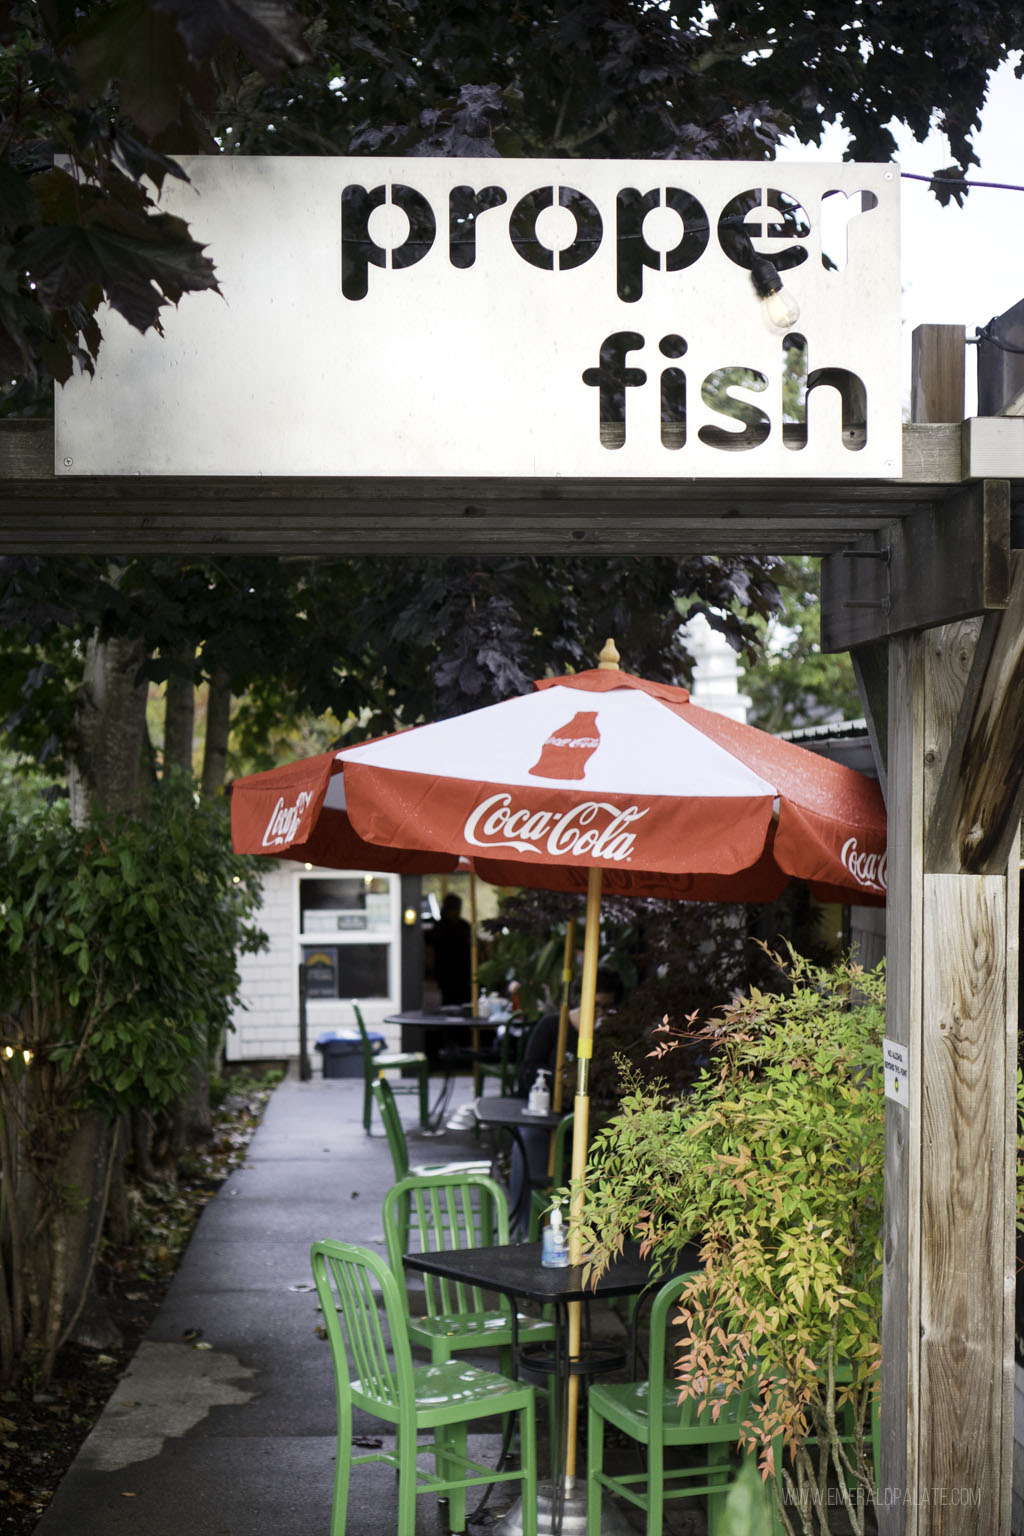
(237, 1439)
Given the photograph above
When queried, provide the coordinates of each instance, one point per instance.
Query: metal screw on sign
(68, 463)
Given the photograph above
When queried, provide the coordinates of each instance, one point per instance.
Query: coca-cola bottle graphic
(566, 752)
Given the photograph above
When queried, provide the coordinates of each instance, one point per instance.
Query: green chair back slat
(376, 1062)
(393, 1129)
(447, 1213)
(453, 1211)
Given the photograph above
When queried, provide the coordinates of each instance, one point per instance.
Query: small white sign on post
(896, 1067)
(527, 318)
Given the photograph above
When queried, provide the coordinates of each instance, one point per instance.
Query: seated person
(540, 1055)
(542, 1041)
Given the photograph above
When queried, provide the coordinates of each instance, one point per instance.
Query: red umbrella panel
(602, 769)
(298, 812)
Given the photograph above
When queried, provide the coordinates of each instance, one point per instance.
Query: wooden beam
(981, 797)
(932, 455)
(945, 563)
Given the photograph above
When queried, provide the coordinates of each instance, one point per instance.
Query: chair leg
(595, 1458)
(655, 1488)
(424, 1098)
(455, 1437)
(406, 1493)
(342, 1467)
(718, 1457)
(528, 1462)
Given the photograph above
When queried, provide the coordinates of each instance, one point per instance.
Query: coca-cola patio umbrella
(598, 779)
(595, 780)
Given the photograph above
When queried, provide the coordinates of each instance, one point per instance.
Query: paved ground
(237, 1439)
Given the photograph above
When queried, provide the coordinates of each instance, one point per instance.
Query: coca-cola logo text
(284, 820)
(593, 829)
(868, 869)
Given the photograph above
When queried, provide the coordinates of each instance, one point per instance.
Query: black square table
(511, 1116)
(515, 1270)
(417, 1025)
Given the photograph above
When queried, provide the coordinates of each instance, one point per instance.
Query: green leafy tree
(118, 942)
(795, 683)
(377, 643)
(118, 87)
(773, 1164)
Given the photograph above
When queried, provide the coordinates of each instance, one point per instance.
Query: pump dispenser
(539, 1100)
(554, 1249)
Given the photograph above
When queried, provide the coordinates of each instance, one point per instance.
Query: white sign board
(896, 1067)
(526, 318)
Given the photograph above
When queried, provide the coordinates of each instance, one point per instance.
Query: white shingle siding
(266, 1026)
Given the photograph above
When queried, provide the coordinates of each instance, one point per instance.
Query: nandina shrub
(773, 1163)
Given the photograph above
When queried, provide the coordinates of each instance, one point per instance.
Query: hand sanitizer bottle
(554, 1250)
(539, 1101)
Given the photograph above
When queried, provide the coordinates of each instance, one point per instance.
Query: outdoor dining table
(511, 1116)
(413, 1020)
(514, 1270)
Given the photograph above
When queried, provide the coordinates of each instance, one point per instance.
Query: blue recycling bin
(342, 1054)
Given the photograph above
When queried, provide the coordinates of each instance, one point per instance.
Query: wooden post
(950, 1153)
(937, 373)
(947, 1331)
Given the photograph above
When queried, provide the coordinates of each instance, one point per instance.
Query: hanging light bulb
(779, 304)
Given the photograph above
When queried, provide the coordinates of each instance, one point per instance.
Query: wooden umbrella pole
(474, 986)
(581, 1115)
(557, 1087)
(563, 1015)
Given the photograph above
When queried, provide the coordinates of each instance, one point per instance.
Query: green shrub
(773, 1163)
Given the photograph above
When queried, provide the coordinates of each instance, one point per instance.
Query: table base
(592, 1360)
(574, 1514)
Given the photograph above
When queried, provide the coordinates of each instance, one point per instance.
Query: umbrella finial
(609, 657)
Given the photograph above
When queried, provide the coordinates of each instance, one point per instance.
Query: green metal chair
(446, 1211)
(430, 1406)
(384, 1097)
(375, 1064)
(395, 1132)
(648, 1412)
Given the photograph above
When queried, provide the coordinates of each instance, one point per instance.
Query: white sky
(959, 266)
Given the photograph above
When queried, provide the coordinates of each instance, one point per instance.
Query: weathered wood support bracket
(981, 793)
(871, 669)
(946, 563)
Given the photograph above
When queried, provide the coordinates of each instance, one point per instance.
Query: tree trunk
(179, 714)
(57, 1173)
(218, 724)
(106, 757)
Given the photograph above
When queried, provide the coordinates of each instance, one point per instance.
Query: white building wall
(716, 671)
(266, 1025)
